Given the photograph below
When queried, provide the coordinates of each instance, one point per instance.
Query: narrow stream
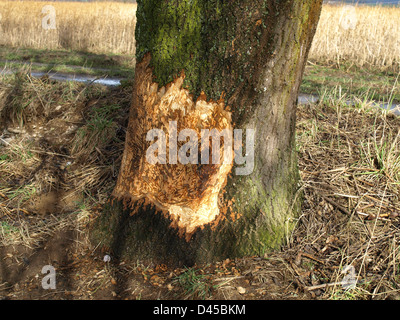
(311, 99)
(79, 78)
(71, 77)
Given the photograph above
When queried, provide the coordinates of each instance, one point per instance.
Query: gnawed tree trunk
(205, 64)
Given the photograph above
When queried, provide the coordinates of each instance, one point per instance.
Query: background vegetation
(109, 27)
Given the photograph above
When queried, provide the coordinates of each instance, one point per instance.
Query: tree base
(148, 236)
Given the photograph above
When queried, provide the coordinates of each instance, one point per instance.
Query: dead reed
(358, 35)
(106, 27)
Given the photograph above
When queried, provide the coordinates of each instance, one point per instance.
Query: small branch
(322, 286)
(309, 256)
(337, 205)
(344, 210)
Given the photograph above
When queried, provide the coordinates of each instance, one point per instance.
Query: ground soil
(330, 233)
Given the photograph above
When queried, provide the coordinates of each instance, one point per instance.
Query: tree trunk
(205, 64)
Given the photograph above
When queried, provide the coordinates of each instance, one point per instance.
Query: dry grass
(105, 27)
(371, 38)
(349, 162)
(53, 151)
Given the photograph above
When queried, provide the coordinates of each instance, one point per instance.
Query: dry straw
(96, 27)
(361, 35)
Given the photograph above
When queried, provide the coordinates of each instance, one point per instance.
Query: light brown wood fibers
(188, 193)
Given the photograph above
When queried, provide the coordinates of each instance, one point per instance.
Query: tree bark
(242, 62)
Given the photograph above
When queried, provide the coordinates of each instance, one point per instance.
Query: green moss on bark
(215, 42)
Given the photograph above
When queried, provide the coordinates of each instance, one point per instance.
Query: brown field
(372, 36)
(101, 27)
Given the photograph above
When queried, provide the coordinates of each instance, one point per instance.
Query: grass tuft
(194, 283)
